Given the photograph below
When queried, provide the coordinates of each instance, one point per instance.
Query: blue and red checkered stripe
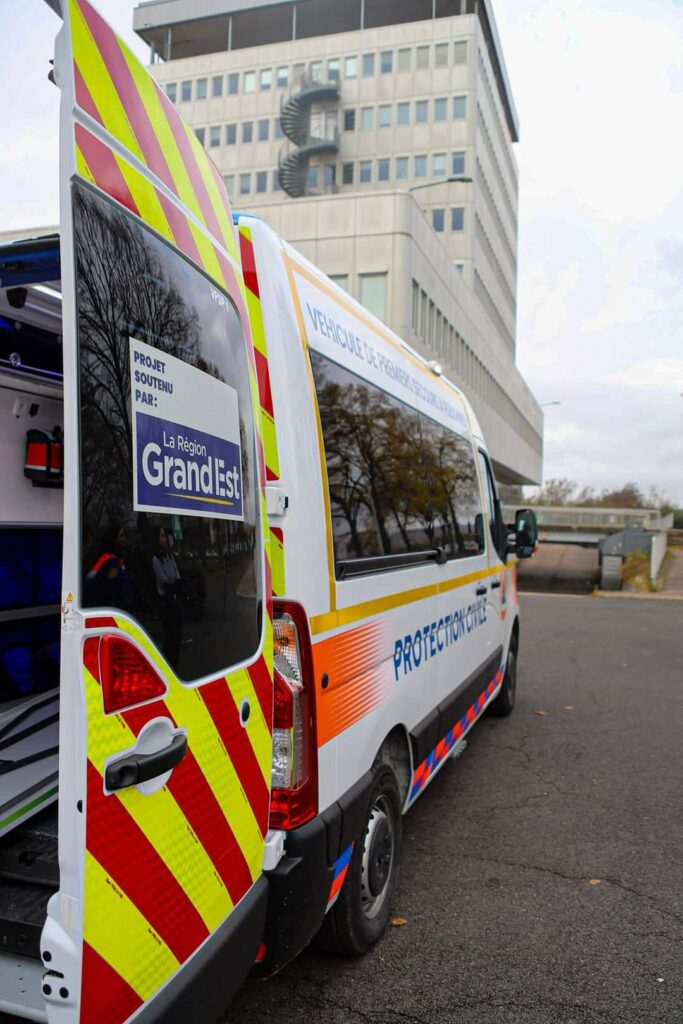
(341, 866)
(431, 764)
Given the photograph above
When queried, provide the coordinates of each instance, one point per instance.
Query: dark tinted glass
(192, 581)
(31, 567)
(399, 482)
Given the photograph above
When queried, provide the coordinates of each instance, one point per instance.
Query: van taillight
(127, 677)
(294, 790)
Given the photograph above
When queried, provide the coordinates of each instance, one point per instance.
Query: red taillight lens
(127, 677)
(294, 792)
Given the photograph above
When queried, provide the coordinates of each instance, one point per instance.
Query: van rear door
(166, 692)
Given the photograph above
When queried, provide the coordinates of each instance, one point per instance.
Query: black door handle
(480, 591)
(135, 768)
(495, 584)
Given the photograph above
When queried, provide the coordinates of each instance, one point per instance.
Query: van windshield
(168, 471)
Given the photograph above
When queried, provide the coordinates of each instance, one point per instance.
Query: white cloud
(653, 375)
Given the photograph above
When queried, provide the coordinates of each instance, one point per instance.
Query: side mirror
(526, 533)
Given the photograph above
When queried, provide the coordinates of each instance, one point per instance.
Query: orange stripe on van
(358, 667)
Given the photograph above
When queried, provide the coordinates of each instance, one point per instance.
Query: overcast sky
(598, 86)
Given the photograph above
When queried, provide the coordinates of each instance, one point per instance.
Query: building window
(247, 131)
(441, 109)
(214, 136)
(403, 113)
(347, 174)
(230, 134)
(459, 108)
(245, 184)
(313, 177)
(460, 52)
(384, 116)
(341, 281)
(366, 171)
(229, 182)
(386, 62)
(316, 69)
(421, 112)
(420, 167)
(233, 83)
(350, 67)
(458, 165)
(201, 88)
(249, 81)
(261, 181)
(329, 175)
(422, 57)
(277, 187)
(404, 61)
(185, 92)
(438, 219)
(200, 133)
(277, 129)
(368, 64)
(266, 79)
(217, 85)
(458, 218)
(460, 267)
(333, 69)
(373, 293)
(172, 91)
(349, 120)
(441, 55)
(383, 169)
(367, 119)
(401, 168)
(439, 165)
(282, 77)
(297, 71)
(263, 130)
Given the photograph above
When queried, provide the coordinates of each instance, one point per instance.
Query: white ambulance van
(255, 587)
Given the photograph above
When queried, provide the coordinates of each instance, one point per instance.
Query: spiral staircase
(307, 138)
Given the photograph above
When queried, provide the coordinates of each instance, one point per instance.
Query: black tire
(361, 914)
(505, 701)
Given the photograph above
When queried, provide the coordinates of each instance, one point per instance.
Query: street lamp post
(544, 405)
(440, 181)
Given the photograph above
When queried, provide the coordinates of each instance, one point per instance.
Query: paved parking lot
(543, 872)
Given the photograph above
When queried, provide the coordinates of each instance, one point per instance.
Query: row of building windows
(364, 172)
(494, 103)
(388, 115)
(244, 132)
(457, 218)
(440, 55)
(435, 330)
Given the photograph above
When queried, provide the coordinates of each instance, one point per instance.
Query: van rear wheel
(360, 915)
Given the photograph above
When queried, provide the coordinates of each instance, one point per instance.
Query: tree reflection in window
(205, 616)
(399, 482)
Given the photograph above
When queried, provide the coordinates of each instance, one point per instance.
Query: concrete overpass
(567, 524)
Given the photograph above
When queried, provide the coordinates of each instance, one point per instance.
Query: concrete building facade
(322, 114)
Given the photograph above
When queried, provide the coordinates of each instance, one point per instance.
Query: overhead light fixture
(46, 290)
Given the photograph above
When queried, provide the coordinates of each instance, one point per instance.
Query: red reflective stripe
(106, 997)
(83, 96)
(263, 685)
(249, 265)
(263, 378)
(226, 718)
(99, 622)
(105, 169)
(101, 561)
(181, 229)
(120, 846)
(197, 801)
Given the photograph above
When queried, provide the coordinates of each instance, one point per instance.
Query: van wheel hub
(378, 858)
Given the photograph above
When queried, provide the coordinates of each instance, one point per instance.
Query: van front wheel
(360, 915)
(505, 701)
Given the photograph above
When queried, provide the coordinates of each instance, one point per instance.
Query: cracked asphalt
(542, 873)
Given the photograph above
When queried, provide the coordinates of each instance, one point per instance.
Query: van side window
(400, 483)
(191, 579)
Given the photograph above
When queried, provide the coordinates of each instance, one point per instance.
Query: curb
(632, 595)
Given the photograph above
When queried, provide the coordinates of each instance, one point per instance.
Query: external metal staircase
(308, 138)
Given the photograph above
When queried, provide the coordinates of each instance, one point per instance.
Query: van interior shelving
(31, 422)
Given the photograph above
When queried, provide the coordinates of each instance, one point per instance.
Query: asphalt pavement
(542, 873)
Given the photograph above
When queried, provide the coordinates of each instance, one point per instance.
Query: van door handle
(481, 590)
(136, 768)
(495, 584)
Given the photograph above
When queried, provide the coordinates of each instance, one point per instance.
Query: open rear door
(166, 655)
